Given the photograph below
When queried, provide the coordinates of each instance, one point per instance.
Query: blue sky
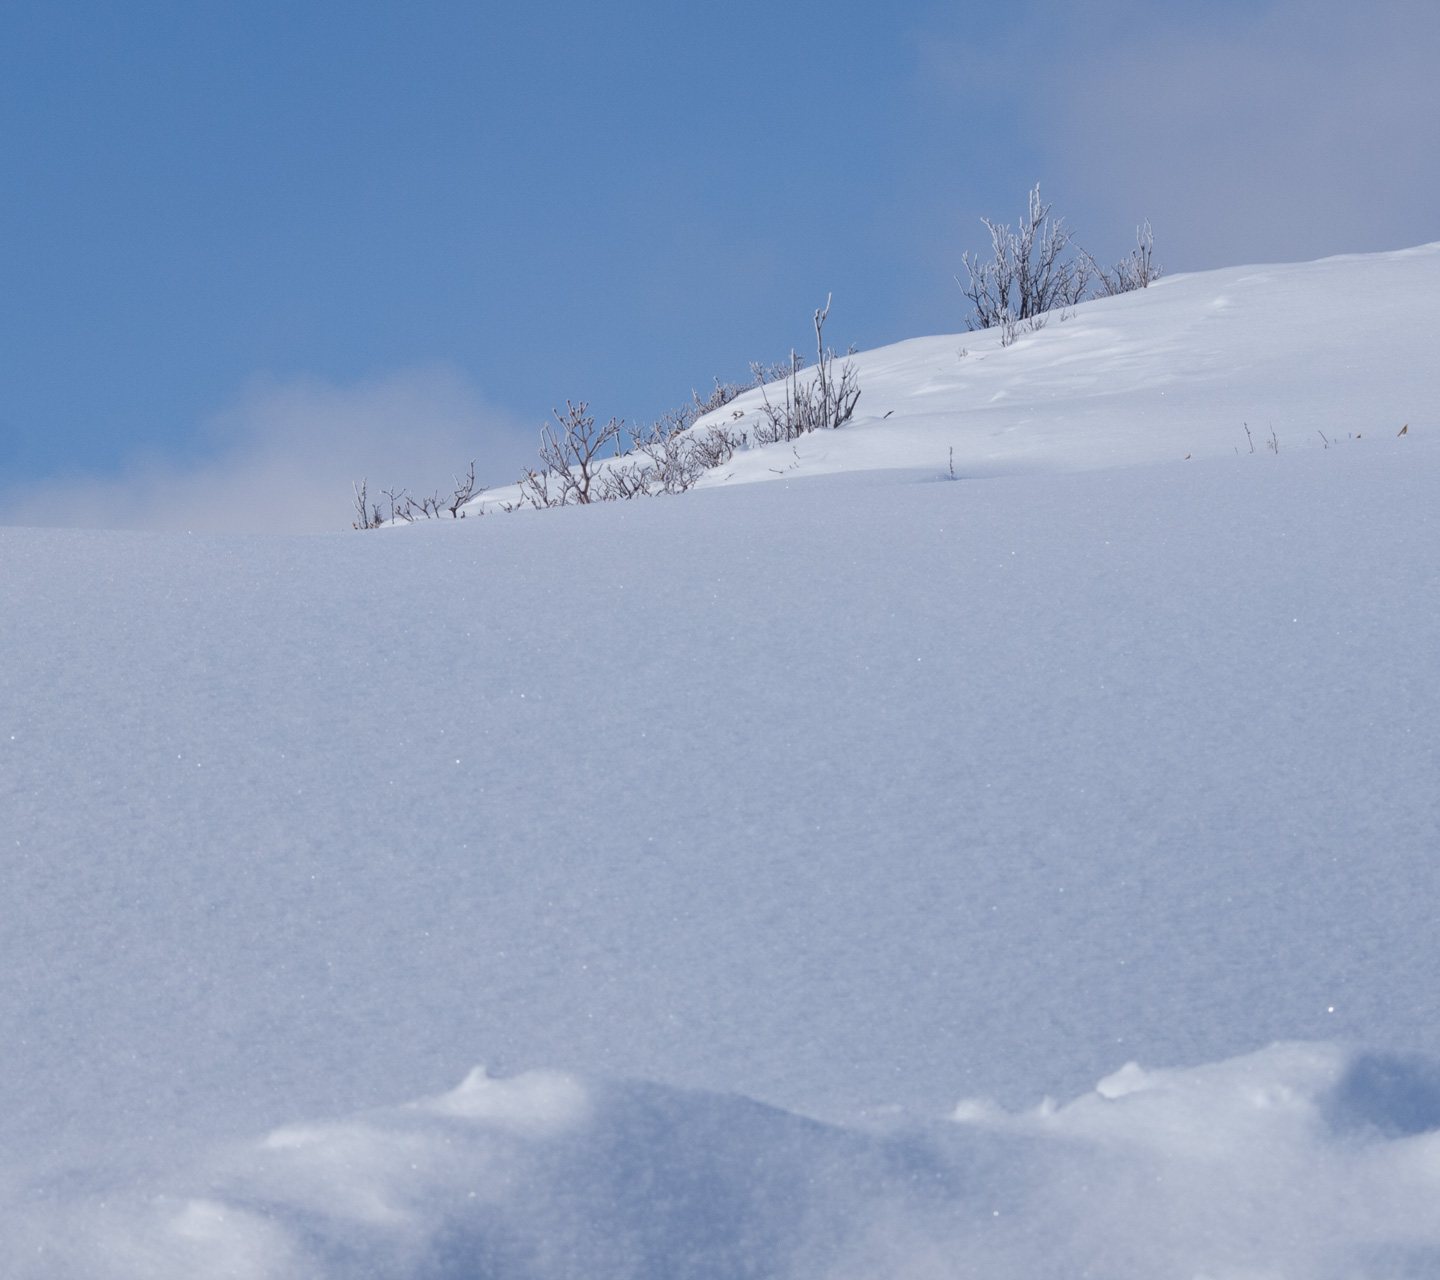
(249, 251)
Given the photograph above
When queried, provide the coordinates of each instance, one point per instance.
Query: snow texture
(782, 848)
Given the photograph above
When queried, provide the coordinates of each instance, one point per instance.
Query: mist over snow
(284, 458)
(850, 873)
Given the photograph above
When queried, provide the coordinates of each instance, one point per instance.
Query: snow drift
(1299, 1160)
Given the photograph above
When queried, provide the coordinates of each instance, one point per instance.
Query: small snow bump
(1131, 1078)
(536, 1100)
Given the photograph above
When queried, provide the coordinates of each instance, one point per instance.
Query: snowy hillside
(1307, 351)
(808, 863)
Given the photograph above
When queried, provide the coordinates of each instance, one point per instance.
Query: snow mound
(1302, 1159)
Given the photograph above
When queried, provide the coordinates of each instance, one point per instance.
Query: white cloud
(1247, 132)
(1297, 131)
(283, 458)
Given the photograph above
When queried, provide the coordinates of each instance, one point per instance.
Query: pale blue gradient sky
(203, 201)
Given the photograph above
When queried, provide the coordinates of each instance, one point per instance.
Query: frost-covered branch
(823, 401)
(1038, 268)
(1138, 270)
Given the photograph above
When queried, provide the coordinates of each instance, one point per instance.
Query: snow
(855, 874)
(1307, 351)
(1297, 1160)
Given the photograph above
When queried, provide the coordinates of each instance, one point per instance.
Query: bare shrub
(367, 515)
(1038, 268)
(822, 401)
(664, 458)
(1029, 273)
(669, 458)
(716, 446)
(760, 374)
(404, 507)
(1138, 270)
(722, 395)
(669, 455)
(622, 481)
(463, 493)
(572, 459)
(408, 508)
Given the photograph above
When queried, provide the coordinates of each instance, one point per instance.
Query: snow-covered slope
(1307, 351)
(797, 840)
